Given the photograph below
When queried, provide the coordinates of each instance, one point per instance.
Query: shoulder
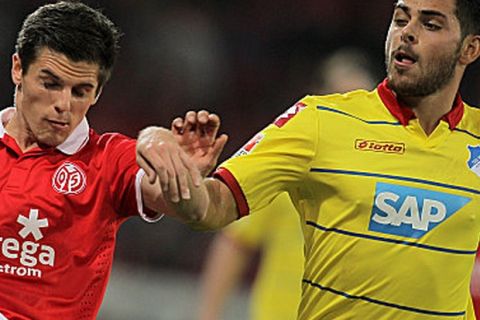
(108, 146)
(470, 121)
(356, 103)
(110, 140)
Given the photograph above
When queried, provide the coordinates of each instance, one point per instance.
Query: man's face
(423, 46)
(53, 96)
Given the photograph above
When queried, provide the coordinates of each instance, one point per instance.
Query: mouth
(59, 124)
(404, 59)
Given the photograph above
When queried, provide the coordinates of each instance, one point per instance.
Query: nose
(409, 35)
(64, 101)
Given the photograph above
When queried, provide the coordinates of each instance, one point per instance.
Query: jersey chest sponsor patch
(23, 255)
(411, 212)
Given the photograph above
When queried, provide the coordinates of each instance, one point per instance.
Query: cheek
(439, 54)
(79, 110)
(388, 43)
(37, 97)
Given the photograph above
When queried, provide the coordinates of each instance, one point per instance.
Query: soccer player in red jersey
(65, 190)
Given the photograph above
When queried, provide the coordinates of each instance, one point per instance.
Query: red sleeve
(121, 168)
(228, 178)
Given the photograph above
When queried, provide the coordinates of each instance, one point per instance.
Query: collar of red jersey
(74, 142)
(404, 114)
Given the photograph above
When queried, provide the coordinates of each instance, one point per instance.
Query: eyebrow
(57, 78)
(432, 13)
(50, 74)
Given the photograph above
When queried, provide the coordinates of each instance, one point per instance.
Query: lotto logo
(69, 179)
(411, 212)
(379, 146)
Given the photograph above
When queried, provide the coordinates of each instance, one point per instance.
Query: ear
(17, 70)
(470, 49)
(99, 93)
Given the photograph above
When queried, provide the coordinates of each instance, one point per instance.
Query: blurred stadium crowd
(246, 60)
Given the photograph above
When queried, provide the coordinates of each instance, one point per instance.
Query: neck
(16, 126)
(430, 109)
(17, 129)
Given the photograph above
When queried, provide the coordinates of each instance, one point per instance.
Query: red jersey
(60, 210)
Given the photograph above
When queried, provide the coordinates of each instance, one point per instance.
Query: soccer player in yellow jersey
(275, 231)
(386, 182)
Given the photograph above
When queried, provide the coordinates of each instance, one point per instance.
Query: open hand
(165, 162)
(197, 135)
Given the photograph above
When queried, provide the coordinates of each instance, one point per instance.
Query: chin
(51, 142)
(401, 86)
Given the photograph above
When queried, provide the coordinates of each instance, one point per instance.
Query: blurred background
(247, 61)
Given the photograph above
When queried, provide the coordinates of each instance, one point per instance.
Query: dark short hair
(71, 28)
(468, 13)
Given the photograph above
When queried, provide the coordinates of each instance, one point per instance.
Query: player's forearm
(222, 208)
(211, 206)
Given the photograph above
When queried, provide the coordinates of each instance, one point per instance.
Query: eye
(401, 22)
(50, 85)
(79, 93)
(431, 26)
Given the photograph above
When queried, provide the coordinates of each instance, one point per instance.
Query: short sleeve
(124, 177)
(275, 160)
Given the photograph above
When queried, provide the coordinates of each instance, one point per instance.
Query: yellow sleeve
(275, 160)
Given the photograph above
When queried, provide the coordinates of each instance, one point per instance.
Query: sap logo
(411, 212)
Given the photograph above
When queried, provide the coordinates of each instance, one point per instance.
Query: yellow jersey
(390, 215)
(276, 231)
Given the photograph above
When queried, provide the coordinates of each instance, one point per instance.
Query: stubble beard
(435, 75)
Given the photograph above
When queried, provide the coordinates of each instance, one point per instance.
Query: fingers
(177, 125)
(202, 121)
(190, 123)
(212, 125)
(196, 136)
(203, 117)
(218, 146)
(211, 157)
(192, 169)
(208, 123)
(149, 171)
(155, 157)
(165, 163)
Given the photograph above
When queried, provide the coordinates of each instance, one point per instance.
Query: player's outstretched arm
(174, 184)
